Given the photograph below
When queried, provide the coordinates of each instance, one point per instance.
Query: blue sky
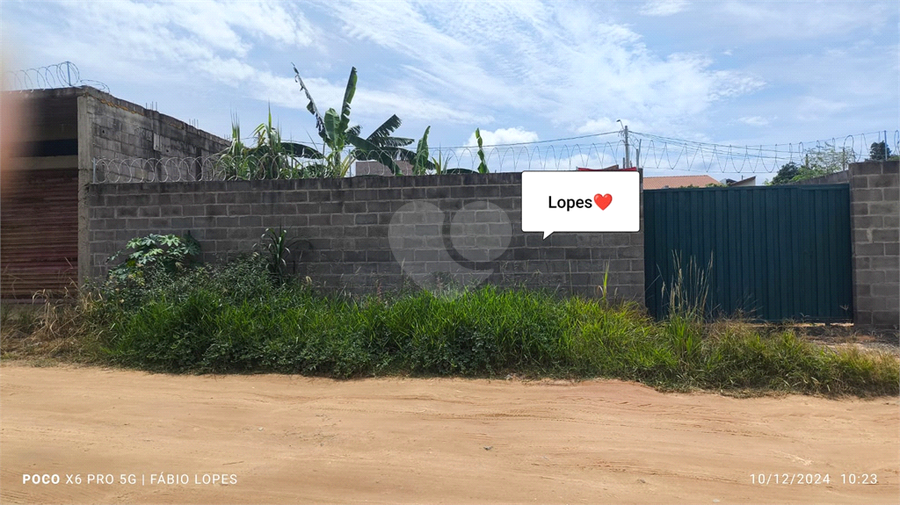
(740, 73)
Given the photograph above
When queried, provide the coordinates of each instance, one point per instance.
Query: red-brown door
(38, 232)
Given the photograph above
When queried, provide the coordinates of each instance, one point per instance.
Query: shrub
(152, 254)
(233, 318)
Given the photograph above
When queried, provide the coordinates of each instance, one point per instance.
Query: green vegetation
(817, 161)
(277, 248)
(421, 164)
(153, 253)
(341, 145)
(880, 151)
(335, 131)
(482, 166)
(439, 163)
(272, 158)
(787, 174)
(234, 318)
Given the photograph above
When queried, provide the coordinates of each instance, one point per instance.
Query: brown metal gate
(38, 232)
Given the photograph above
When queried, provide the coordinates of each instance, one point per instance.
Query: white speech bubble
(581, 202)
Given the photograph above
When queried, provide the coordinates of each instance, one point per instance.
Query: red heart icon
(602, 201)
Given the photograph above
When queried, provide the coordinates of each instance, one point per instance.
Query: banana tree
(482, 167)
(421, 165)
(336, 133)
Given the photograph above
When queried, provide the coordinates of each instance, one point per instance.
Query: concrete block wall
(875, 223)
(112, 128)
(119, 129)
(124, 129)
(353, 230)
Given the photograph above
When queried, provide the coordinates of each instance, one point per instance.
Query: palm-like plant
(272, 158)
(336, 133)
(421, 164)
(482, 167)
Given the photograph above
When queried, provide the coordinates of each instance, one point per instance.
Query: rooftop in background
(678, 181)
(731, 183)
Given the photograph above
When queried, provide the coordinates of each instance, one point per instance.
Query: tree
(275, 158)
(818, 161)
(879, 151)
(823, 160)
(421, 164)
(336, 133)
(786, 174)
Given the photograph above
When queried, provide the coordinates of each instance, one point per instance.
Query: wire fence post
(627, 155)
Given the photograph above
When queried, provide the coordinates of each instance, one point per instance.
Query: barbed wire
(653, 153)
(60, 75)
(451, 160)
(661, 153)
(130, 170)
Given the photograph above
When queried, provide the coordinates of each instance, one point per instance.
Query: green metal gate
(777, 252)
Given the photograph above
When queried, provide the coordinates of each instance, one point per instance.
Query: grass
(48, 331)
(234, 319)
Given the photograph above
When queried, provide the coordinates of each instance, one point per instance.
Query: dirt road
(281, 439)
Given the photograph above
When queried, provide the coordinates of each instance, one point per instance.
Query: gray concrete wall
(123, 130)
(112, 128)
(875, 222)
(354, 231)
(375, 168)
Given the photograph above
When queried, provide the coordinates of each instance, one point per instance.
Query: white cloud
(503, 136)
(450, 63)
(229, 71)
(663, 7)
(564, 63)
(550, 67)
(599, 125)
(157, 41)
(754, 121)
(278, 21)
(370, 106)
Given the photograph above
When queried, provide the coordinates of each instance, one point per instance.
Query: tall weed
(232, 318)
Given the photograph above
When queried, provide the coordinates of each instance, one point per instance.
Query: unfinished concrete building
(47, 167)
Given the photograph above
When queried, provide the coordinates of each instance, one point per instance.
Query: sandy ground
(283, 439)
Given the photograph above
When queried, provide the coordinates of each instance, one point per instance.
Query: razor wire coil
(653, 153)
(60, 75)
